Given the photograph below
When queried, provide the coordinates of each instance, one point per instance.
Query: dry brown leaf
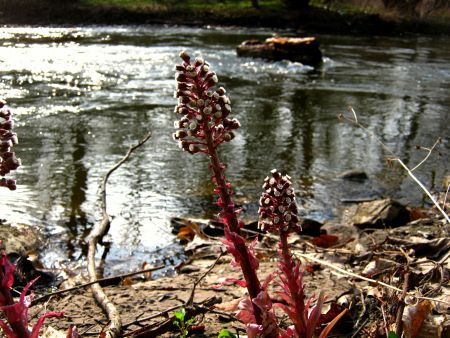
(229, 306)
(414, 316)
(186, 233)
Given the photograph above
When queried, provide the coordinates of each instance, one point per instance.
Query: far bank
(335, 17)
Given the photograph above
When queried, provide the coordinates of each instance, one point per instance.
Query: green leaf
(224, 333)
(180, 315)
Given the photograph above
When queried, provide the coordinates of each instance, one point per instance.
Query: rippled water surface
(81, 96)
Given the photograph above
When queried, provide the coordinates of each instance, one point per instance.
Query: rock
(305, 50)
(20, 238)
(310, 227)
(355, 175)
(380, 214)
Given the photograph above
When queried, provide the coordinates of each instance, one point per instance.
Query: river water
(82, 95)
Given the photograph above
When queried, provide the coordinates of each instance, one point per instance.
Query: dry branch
(355, 121)
(115, 326)
(101, 280)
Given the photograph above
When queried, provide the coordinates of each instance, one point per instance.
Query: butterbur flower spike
(204, 112)
(8, 159)
(278, 214)
(278, 208)
(203, 125)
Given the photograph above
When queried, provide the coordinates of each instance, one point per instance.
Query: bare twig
(356, 333)
(190, 300)
(107, 279)
(370, 280)
(364, 308)
(155, 315)
(424, 189)
(384, 321)
(189, 305)
(429, 151)
(401, 305)
(156, 330)
(114, 329)
(396, 158)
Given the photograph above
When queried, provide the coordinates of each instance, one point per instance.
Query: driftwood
(305, 50)
(114, 329)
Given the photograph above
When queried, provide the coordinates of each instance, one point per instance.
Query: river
(82, 95)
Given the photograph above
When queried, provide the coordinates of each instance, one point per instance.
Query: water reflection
(83, 95)
(77, 223)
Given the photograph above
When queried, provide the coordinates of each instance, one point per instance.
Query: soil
(417, 248)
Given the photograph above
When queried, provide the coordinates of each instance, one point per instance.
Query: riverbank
(317, 19)
(361, 271)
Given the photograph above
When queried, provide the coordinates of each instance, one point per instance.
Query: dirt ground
(419, 249)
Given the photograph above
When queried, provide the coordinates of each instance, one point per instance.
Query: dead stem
(106, 279)
(114, 329)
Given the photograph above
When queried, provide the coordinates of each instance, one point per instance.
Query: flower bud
(199, 61)
(221, 91)
(204, 69)
(193, 148)
(228, 136)
(278, 211)
(193, 125)
(185, 56)
(180, 77)
(180, 68)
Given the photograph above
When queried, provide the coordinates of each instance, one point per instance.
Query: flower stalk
(203, 126)
(278, 214)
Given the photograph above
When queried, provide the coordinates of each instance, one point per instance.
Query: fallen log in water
(305, 50)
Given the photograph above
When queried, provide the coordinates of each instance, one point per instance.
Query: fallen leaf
(229, 306)
(325, 241)
(186, 233)
(414, 316)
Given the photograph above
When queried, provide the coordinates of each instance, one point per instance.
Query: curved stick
(115, 326)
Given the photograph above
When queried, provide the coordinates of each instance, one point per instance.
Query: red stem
(289, 268)
(229, 212)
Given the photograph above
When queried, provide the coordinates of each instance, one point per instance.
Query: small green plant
(181, 323)
(224, 333)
